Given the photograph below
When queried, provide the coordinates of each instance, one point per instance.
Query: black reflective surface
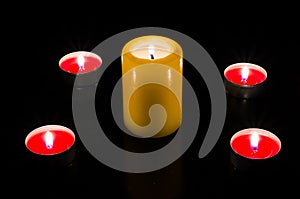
(36, 93)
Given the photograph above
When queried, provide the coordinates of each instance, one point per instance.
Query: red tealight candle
(81, 65)
(80, 62)
(245, 80)
(254, 144)
(52, 142)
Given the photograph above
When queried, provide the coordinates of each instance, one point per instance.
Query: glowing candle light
(255, 143)
(254, 139)
(245, 74)
(152, 75)
(82, 65)
(49, 139)
(52, 142)
(254, 149)
(151, 51)
(245, 80)
(80, 62)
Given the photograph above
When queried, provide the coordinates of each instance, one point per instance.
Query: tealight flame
(254, 139)
(151, 51)
(80, 62)
(245, 74)
(49, 139)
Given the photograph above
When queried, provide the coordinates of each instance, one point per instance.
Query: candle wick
(254, 151)
(244, 80)
(81, 67)
(151, 56)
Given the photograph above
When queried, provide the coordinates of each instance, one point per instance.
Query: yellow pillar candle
(152, 85)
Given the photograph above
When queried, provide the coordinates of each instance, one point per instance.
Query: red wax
(254, 75)
(70, 62)
(61, 139)
(268, 144)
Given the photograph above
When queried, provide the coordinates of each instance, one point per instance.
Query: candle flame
(49, 139)
(151, 51)
(245, 73)
(80, 62)
(254, 139)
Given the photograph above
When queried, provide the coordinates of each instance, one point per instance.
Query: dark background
(36, 93)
